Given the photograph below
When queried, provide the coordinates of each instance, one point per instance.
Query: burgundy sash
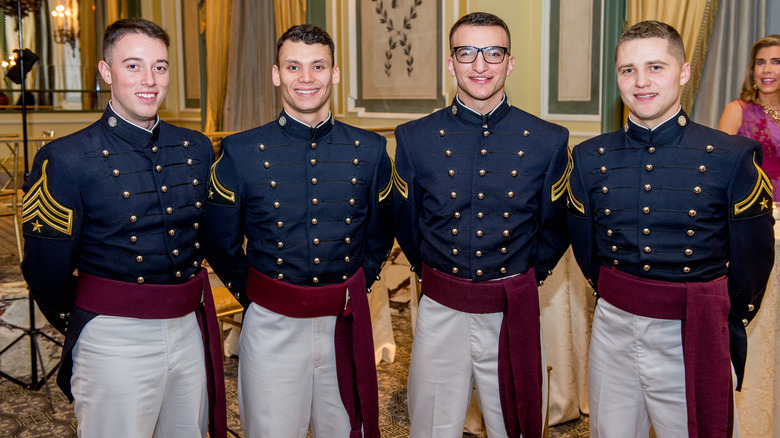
(157, 301)
(519, 343)
(354, 343)
(703, 308)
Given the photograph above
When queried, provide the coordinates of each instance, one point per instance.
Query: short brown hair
(120, 28)
(308, 34)
(655, 29)
(750, 94)
(481, 19)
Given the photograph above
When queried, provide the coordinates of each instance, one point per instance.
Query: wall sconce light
(63, 26)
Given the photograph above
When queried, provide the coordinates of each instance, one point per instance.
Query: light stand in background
(25, 62)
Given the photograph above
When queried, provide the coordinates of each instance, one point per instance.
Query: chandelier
(63, 26)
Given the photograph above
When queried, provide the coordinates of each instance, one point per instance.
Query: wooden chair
(226, 306)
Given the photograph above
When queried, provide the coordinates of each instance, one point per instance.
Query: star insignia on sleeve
(764, 203)
(37, 226)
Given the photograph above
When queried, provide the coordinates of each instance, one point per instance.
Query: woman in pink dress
(756, 114)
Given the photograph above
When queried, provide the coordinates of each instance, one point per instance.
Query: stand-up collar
(128, 131)
(296, 128)
(662, 134)
(468, 115)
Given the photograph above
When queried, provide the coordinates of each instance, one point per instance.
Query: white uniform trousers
(452, 352)
(137, 378)
(636, 376)
(287, 377)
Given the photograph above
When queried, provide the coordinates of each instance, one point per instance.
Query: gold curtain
(215, 23)
(288, 13)
(88, 44)
(694, 19)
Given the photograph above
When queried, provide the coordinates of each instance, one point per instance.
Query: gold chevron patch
(386, 191)
(759, 201)
(41, 210)
(216, 187)
(561, 186)
(399, 183)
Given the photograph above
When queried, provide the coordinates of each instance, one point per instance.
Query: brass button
(352, 201)
(451, 172)
(441, 133)
(510, 195)
(316, 241)
(710, 148)
(139, 258)
(454, 251)
(454, 270)
(198, 204)
(313, 145)
(169, 210)
(506, 233)
(196, 182)
(347, 240)
(197, 245)
(480, 215)
(133, 218)
(272, 184)
(280, 245)
(186, 143)
(602, 151)
(646, 268)
(175, 252)
(315, 201)
(648, 187)
(481, 196)
(692, 213)
(503, 250)
(279, 224)
(164, 189)
(690, 233)
(279, 261)
(485, 133)
(457, 215)
(479, 272)
(649, 167)
(261, 147)
(348, 220)
(140, 280)
(478, 253)
(603, 169)
(609, 233)
(177, 274)
(503, 270)
(646, 210)
(651, 149)
(189, 161)
(526, 133)
(506, 215)
(648, 250)
(133, 239)
(125, 195)
(697, 190)
(155, 149)
(158, 168)
(313, 161)
(314, 181)
(751, 307)
(453, 195)
(615, 262)
(686, 270)
(702, 168)
(646, 231)
(346, 259)
(105, 153)
(316, 261)
(279, 276)
(483, 152)
(607, 211)
(357, 143)
(353, 181)
(171, 232)
(604, 190)
(614, 248)
(688, 251)
(355, 161)
(277, 204)
(314, 221)
(115, 172)
(480, 233)
(745, 322)
(266, 164)
(482, 172)
(315, 280)
(513, 173)
(454, 231)
(448, 153)
(520, 154)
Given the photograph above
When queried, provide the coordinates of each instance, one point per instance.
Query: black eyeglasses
(468, 54)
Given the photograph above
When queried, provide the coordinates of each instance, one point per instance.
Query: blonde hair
(750, 94)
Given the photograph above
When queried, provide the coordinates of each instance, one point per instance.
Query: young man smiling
(480, 214)
(121, 202)
(311, 196)
(671, 222)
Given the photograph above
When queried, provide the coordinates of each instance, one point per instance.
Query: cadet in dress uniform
(671, 223)
(480, 214)
(312, 198)
(121, 202)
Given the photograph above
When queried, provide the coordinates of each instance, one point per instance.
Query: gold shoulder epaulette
(42, 214)
(759, 201)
